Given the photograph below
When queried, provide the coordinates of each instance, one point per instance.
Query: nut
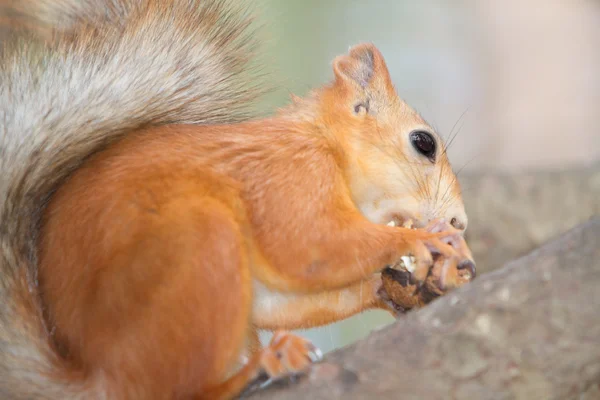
(399, 290)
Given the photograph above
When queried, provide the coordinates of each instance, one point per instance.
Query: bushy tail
(100, 69)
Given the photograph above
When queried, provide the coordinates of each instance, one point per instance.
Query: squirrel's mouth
(408, 262)
(404, 221)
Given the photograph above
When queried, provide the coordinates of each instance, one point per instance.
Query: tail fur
(79, 75)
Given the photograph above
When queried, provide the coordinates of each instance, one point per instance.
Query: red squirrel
(150, 226)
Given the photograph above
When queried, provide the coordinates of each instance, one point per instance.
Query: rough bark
(511, 214)
(530, 330)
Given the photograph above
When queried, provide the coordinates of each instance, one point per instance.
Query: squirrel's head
(395, 163)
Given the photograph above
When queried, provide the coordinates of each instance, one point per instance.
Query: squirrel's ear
(363, 68)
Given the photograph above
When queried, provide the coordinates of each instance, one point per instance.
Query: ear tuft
(357, 66)
(362, 68)
(366, 62)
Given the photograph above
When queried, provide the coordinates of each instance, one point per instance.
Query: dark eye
(424, 143)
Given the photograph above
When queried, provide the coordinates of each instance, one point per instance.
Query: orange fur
(151, 253)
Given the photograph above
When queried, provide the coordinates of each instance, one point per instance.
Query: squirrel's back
(90, 72)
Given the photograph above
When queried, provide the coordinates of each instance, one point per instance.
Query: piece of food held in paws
(400, 289)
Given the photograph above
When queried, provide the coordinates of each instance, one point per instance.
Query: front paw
(438, 244)
(454, 238)
(438, 260)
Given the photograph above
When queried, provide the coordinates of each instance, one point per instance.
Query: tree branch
(529, 330)
(510, 214)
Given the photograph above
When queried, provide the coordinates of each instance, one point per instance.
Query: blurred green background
(523, 76)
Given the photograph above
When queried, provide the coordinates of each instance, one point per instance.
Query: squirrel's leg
(254, 345)
(286, 354)
(302, 311)
(162, 296)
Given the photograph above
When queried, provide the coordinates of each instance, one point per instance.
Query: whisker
(331, 337)
(453, 137)
(467, 189)
(445, 200)
(418, 178)
(449, 186)
(437, 191)
(468, 162)
(457, 121)
(360, 316)
(445, 150)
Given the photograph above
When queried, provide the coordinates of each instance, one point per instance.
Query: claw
(469, 265)
(443, 283)
(317, 355)
(438, 246)
(266, 383)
